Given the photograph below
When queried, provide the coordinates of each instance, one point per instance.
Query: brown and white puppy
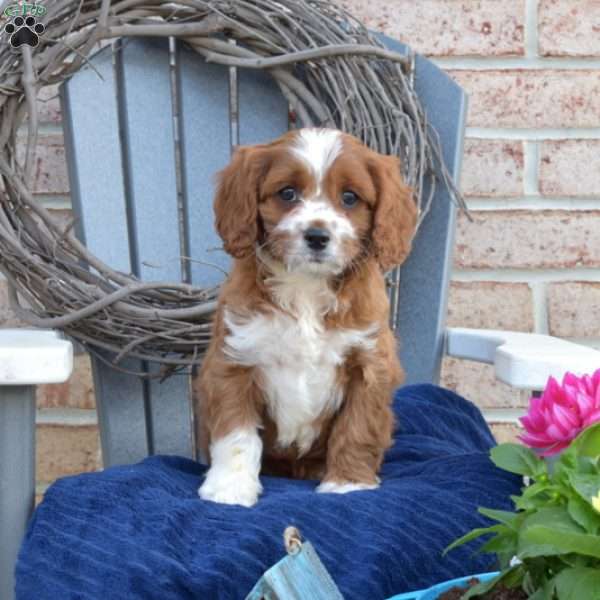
(301, 367)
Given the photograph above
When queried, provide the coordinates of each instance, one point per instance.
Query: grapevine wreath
(331, 69)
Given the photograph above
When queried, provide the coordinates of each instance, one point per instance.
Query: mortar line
(527, 275)
(58, 202)
(511, 63)
(531, 168)
(503, 415)
(72, 417)
(532, 203)
(592, 342)
(531, 29)
(539, 291)
(533, 134)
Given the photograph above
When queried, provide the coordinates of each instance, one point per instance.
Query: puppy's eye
(349, 199)
(288, 194)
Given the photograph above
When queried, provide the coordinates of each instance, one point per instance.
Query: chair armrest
(522, 360)
(30, 357)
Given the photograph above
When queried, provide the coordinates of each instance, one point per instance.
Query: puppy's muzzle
(316, 238)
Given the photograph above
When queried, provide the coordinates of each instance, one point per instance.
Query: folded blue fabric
(141, 532)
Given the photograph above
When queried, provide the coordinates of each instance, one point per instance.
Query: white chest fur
(297, 357)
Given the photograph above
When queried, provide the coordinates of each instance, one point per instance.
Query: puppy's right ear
(236, 201)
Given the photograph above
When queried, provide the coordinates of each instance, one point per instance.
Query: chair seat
(141, 532)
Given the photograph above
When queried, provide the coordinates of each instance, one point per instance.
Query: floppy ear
(395, 213)
(236, 202)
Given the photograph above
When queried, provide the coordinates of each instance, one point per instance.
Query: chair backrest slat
(145, 95)
(146, 121)
(138, 231)
(120, 401)
(169, 414)
(263, 111)
(95, 162)
(425, 276)
(204, 117)
(143, 146)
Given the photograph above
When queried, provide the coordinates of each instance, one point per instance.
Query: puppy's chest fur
(297, 358)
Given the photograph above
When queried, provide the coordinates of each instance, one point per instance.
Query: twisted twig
(331, 69)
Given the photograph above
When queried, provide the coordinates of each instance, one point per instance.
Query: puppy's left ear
(395, 212)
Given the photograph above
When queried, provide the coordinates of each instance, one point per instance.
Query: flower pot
(433, 592)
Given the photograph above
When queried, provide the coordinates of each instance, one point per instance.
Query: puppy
(302, 364)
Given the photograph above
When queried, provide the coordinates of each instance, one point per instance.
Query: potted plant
(549, 547)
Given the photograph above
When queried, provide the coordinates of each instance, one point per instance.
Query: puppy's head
(315, 200)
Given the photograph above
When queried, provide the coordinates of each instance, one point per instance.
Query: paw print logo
(24, 31)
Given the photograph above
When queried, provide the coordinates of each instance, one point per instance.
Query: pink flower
(562, 412)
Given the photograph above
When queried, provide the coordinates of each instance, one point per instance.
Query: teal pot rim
(433, 592)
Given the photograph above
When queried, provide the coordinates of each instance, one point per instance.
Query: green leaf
(503, 543)
(571, 560)
(474, 534)
(513, 576)
(537, 495)
(578, 583)
(587, 465)
(587, 443)
(555, 516)
(536, 489)
(518, 459)
(583, 514)
(551, 531)
(506, 517)
(545, 592)
(531, 501)
(585, 485)
(546, 540)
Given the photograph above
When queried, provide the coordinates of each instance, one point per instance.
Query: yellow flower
(596, 501)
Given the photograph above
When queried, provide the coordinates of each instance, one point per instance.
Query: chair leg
(17, 476)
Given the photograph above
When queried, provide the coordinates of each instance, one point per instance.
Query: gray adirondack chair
(139, 215)
(132, 221)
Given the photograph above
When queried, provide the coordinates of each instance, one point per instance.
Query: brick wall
(531, 174)
(528, 261)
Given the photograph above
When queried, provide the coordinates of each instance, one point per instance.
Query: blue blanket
(141, 532)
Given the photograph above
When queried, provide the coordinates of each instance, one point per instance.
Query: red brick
(534, 99)
(492, 168)
(441, 28)
(569, 27)
(77, 392)
(570, 168)
(506, 432)
(486, 305)
(528, 239)
(50, 168)
(66, 450)
(49, 105)
(574, 309)
(477, 382)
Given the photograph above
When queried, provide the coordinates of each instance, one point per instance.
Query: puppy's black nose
(316, 238)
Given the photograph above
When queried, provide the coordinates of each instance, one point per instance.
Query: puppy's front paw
(343, 487)
(230, 488)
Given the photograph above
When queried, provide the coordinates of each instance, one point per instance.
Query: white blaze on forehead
(318, 148)
(308, 212)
